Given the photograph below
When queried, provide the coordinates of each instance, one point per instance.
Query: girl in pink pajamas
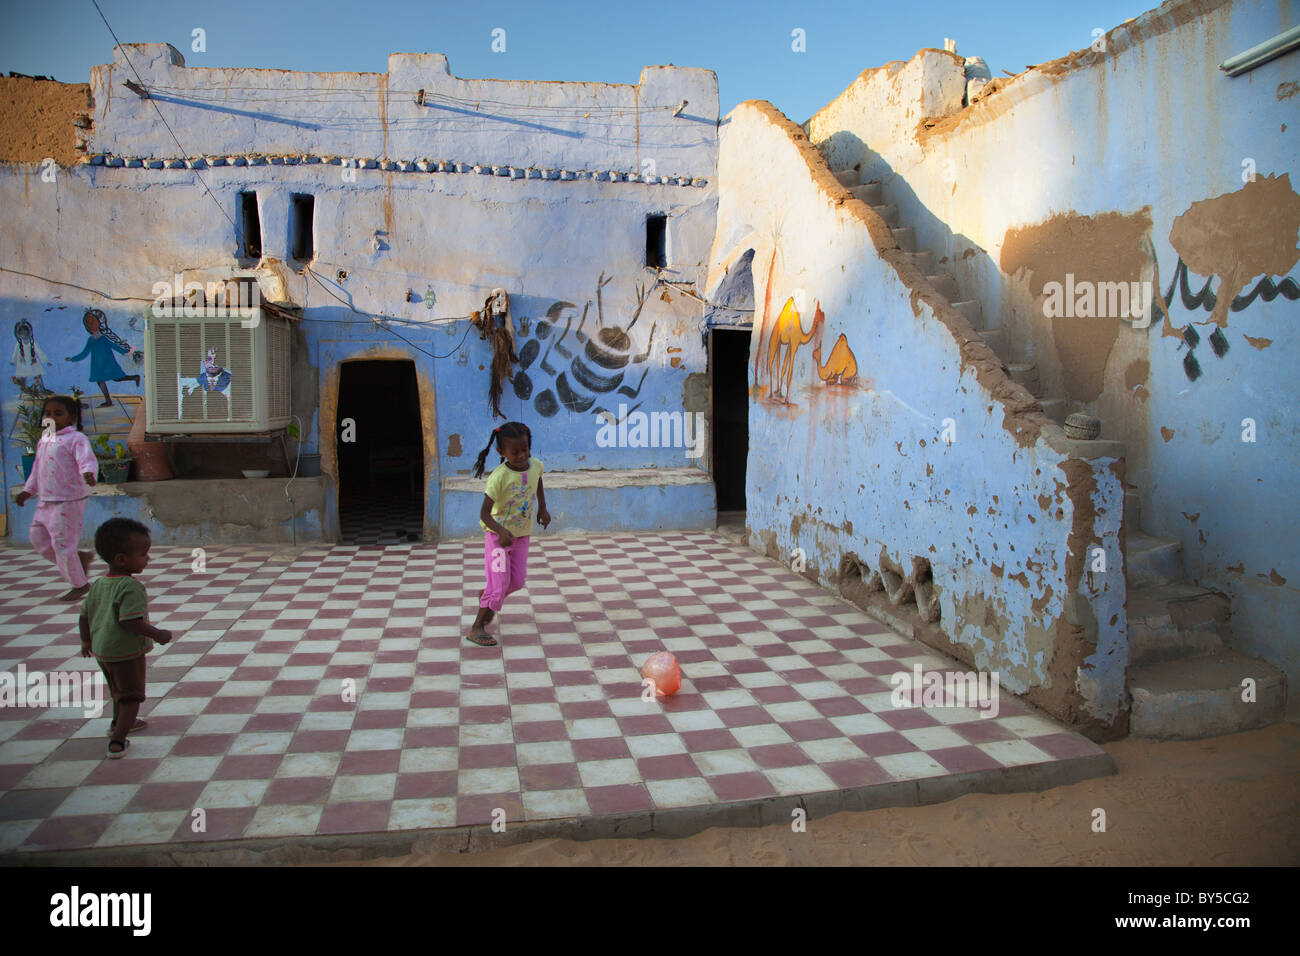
(506, 518)
(61, 477)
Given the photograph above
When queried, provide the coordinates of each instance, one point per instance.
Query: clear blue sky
(746, 42)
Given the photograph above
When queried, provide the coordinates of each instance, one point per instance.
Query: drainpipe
(1261, 54)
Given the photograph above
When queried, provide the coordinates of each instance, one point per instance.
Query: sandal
(482, 638)
(138, 725)
(118, 754)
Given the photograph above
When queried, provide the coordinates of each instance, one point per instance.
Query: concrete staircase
(1023, 373)
(1183, 680)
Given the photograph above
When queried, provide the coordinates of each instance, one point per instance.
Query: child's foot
(117, 750)
(487, 613)
(76, 594)
(138, 725)
(481, 637)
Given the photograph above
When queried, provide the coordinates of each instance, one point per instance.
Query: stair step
(1152, 560)
(1132, 509)
(1055, 408)
(888, 212)
(944, 284)
(905, 236)
(923, 260)
(847, 177)
(993, 338)
(1175, 621)
(974, 313)
(1201, 696)
(870, 193)
(1026, 374)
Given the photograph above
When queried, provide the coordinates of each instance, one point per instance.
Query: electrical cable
(347, 305)
(238, 233)
(126, 56)
(713, 305)
(73, 285)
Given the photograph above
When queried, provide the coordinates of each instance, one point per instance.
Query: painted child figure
(61, 477)
(115, 629)
(506, 518)
(29, 359)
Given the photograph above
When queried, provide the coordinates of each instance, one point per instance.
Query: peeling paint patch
(1275, 577)
(1166, 433)
(1240, 235)
(1192, 518)
(1075, 250)
(1287, 90)
(453, 447)
(1136, 374)
(1260, 344)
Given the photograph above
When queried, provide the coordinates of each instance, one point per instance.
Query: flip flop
(118, 754)
(482, 639)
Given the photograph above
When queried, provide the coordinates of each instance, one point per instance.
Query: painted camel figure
(841, 368)
(788, 333)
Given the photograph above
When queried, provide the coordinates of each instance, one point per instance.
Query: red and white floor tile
(330, 690)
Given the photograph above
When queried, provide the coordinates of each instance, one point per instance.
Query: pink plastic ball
(663, 669)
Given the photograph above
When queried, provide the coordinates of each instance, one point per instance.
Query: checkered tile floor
(786, 692)
(381, 518)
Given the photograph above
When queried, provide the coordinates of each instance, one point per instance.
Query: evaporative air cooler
(218, 375)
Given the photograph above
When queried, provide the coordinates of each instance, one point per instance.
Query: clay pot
(150, 456)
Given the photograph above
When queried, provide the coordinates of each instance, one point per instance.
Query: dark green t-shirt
(113, 599)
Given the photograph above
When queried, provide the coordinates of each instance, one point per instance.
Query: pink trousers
(56, 529)
(506, 569)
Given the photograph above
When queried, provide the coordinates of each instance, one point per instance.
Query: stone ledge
(613, 478)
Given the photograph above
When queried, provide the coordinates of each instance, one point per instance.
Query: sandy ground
(1227, 801)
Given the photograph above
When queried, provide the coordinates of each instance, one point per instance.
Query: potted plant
(114, 463)
(28, 428)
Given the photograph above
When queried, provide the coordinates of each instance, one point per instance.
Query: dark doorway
(729, 357)
(380, 441)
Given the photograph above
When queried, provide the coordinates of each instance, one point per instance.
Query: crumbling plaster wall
(1129, 164)
(926, 451)
(543, 190)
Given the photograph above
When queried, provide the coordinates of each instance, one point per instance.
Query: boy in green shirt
(113, 625)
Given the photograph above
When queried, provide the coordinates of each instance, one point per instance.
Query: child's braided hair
(508, 430)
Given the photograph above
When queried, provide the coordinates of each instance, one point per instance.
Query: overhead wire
(311, 272)
(280, 96)
(229, 219)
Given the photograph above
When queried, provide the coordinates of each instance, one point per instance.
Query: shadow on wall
(954, 253)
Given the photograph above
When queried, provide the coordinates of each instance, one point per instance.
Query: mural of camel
(841, 368)
(788, 334)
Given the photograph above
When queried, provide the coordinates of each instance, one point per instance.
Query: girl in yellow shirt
(506, 517)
